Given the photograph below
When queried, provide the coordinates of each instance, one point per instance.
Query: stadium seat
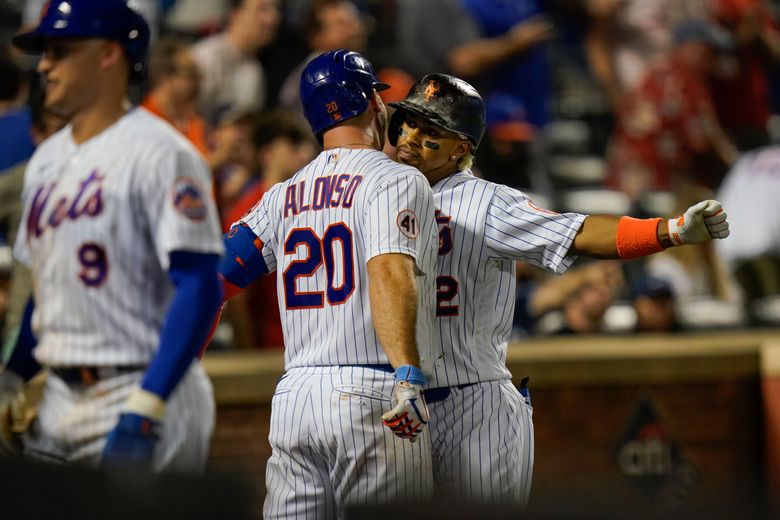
(709, 313)
(596, 201)
(575, 171)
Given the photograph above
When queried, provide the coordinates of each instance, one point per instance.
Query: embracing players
(481, 427)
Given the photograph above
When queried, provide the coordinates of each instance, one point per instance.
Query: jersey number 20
(319, 250)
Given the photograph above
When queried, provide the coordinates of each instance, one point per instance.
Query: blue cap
(110, 19)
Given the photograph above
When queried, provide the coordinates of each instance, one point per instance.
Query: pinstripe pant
(483, 443)
(74, 420)
(331, 450)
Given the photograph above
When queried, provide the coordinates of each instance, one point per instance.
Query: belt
(86, 375)
(434, 395)
(384, 368)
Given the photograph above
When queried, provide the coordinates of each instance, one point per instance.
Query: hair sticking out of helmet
(336, 86)
(446, 101)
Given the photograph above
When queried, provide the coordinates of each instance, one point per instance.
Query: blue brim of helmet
(32, 42)
(379, 86)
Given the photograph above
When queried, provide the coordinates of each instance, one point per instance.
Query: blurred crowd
(636, 107)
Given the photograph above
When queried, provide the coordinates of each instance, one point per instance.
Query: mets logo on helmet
(430, 90)
(188, 199)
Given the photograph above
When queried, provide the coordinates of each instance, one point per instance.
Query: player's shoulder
(383, 170)
(156, 135)
(465, 182)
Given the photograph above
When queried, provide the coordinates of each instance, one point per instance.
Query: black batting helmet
(446, 101)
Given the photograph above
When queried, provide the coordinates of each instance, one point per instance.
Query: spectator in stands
(16, 144)
(741, 92)
(329, 25)
(43, 123)
(175, 79)
(235, 154)
(574, 302)
(653, 302)
(666, 131)
(232, 77)
(282, 147)
(626, 37)
(750, 191)
(499, 43)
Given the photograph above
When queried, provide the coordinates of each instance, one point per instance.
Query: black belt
(384, 368)
(434, 395)
(86, 375)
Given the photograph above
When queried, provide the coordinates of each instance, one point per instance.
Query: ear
(462, 148)
(112, 53)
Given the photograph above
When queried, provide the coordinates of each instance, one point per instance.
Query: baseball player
(481, 428)
(123, 240)
(352, 239)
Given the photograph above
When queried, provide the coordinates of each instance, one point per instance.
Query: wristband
(411, 374)
(146, 403)
(637, 237)
(674, 230)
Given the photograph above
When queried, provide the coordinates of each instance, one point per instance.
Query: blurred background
(640, 107)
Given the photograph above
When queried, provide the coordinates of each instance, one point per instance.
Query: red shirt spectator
(661, 130)
(742, 96)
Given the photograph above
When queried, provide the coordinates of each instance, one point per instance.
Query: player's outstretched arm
(20, 367)
(184, 331)
(392, 289)
(625, 237)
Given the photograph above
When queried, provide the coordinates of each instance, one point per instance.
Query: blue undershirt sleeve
(20, 359)
(188, 321)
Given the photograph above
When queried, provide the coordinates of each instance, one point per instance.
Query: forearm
(477, 56)
(187, 323)
(392, 292)
(598, 237)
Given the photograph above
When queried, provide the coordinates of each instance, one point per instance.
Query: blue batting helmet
(110, 19)
(336, 86)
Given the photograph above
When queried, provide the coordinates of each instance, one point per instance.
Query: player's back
(320, 228)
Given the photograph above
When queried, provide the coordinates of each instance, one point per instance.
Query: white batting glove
(703, 221)
(409, 415)
(12, 410)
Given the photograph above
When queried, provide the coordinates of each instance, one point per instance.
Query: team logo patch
(188, 199)
(430, 90)
(407, 223)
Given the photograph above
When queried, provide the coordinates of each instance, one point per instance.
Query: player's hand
(12, 410)
(132, 441)
(703, 221)
(409, 414)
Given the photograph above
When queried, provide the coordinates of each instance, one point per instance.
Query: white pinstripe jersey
(483, 228)
(100, 220)
(320, 228)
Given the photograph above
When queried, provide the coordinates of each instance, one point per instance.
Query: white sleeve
(21, 252)
(516, 229)
(400, 215)
(177, 198)
(260, 222)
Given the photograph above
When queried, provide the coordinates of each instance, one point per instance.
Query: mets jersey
(483, 228)
(99, 222)
(319, 229)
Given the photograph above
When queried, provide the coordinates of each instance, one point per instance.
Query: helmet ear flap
(394, 126)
